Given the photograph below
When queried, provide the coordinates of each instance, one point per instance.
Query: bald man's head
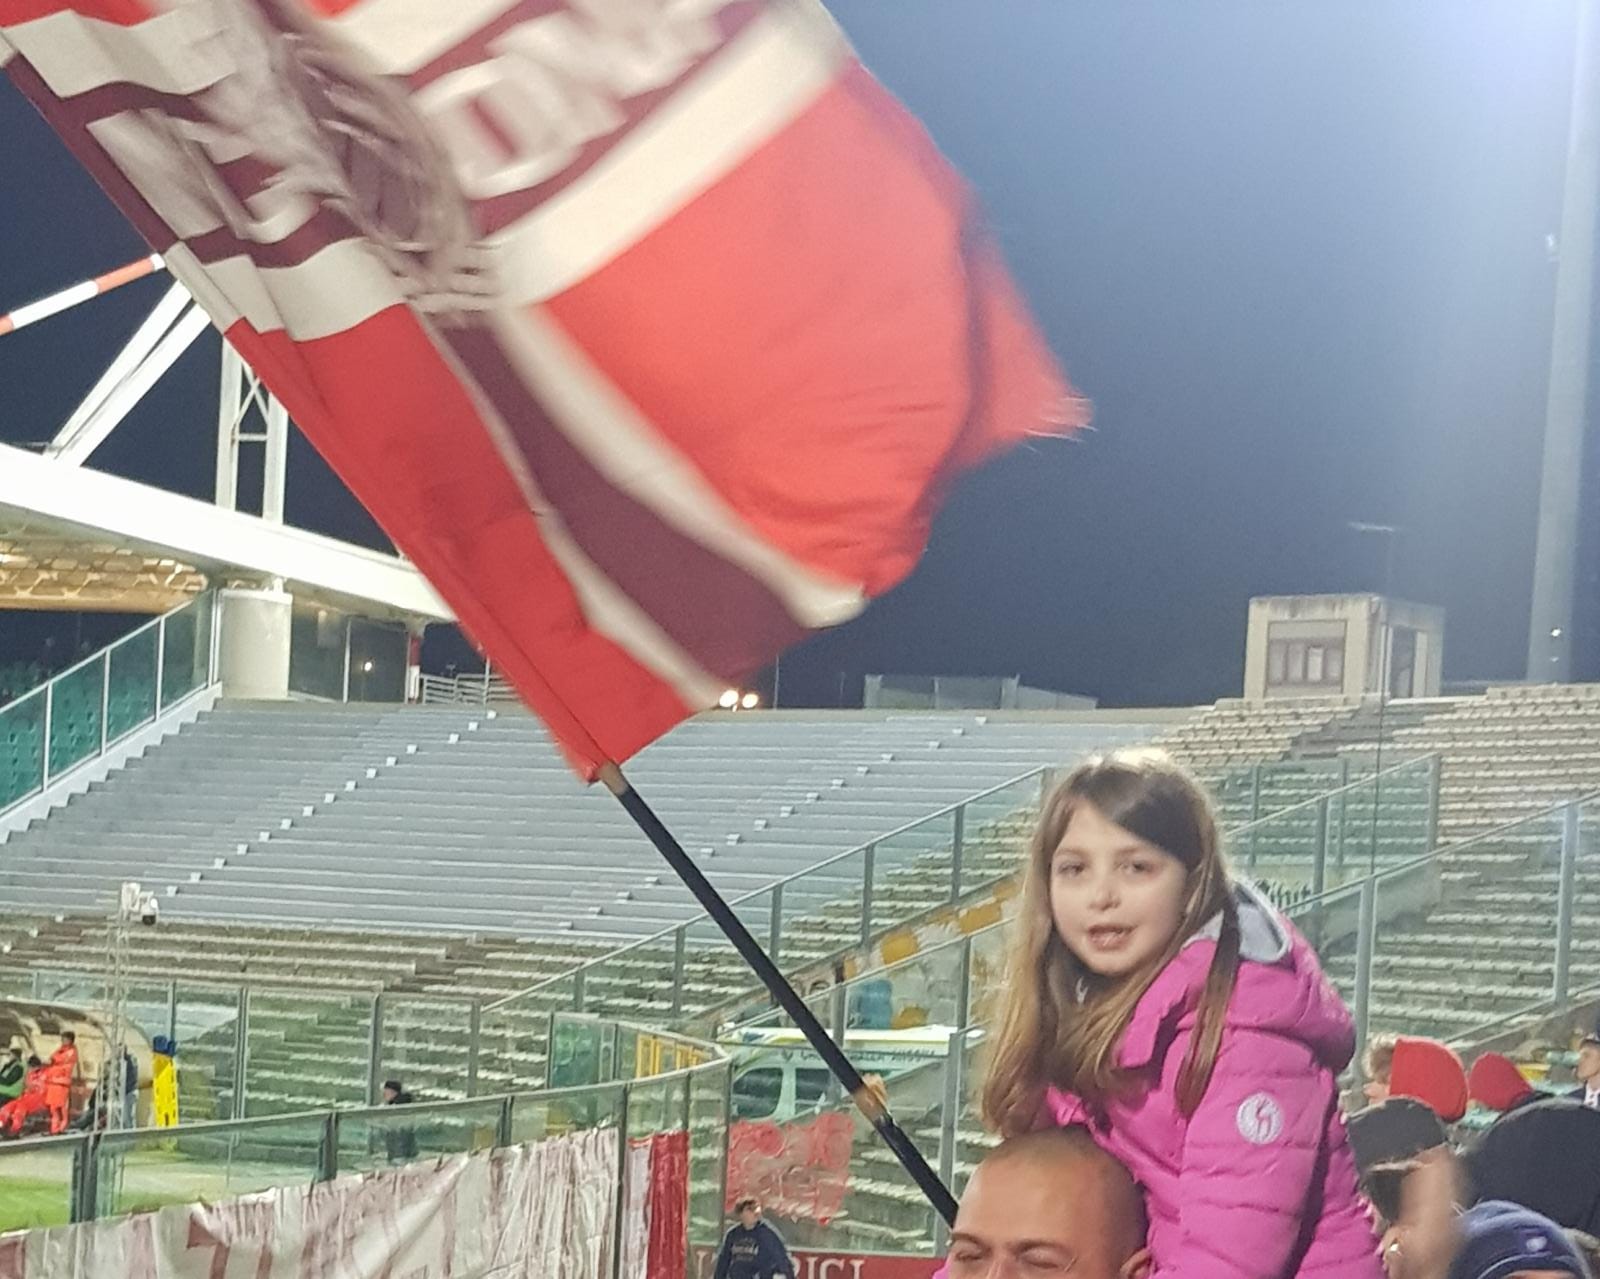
(1046, 1203)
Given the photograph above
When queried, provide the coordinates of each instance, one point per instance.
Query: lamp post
(1390, 534)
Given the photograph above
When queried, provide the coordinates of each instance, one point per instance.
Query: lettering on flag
(650, 330)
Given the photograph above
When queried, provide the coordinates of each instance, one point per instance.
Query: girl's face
(1116, 900)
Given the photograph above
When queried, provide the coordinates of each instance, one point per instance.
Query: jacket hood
(1432, 1073)
(1280, 989)
(1494, 1081)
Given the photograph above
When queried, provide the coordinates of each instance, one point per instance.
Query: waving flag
(650, 330)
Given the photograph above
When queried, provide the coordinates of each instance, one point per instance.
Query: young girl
(1177, 1016)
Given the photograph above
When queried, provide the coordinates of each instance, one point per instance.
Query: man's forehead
(1057, 1191)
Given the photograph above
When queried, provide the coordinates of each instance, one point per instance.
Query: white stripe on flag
(605, 605)
(168, 53)
(334, 289)
(398, 37)
(627, 449)
(751, 91)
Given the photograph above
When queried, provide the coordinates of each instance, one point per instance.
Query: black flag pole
(867, 1101)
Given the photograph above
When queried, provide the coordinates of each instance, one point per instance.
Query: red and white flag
(651, 330)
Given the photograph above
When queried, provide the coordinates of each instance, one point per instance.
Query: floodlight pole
(867, 1101)
(1566, 400)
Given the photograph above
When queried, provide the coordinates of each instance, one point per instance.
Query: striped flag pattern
(652, 331)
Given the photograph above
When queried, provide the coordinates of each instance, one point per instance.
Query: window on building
(1299, 663)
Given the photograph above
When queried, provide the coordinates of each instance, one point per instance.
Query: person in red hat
(1496, 1083)
(1409, 1066)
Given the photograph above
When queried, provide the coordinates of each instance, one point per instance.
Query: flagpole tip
(611, 777)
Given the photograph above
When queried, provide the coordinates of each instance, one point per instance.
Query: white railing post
(1565, 898)
(161, 661)
(44, 743)
(105, 701)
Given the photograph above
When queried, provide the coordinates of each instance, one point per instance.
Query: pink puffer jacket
(1260, 1182)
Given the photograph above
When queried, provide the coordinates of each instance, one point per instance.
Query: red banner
(799, 1171)
(652, 331)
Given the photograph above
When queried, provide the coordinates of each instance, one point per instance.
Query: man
(1588, 1071)
(14, 1115)
(11, 1075)
(399, 1141)
(1500, 1240)
(753, 1249)
(58, 1079)
(1050, 1203)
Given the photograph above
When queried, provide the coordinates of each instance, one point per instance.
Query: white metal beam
(45, 490)
(109, 414)
(133, 354)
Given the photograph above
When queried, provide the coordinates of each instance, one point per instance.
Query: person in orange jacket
(14, 1114)
(58, 1077)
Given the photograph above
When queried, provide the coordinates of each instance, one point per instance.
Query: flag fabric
(652, 331)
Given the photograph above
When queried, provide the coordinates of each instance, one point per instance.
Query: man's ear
(1137, 1266)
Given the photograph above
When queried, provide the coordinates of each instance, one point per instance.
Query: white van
(777, 1076)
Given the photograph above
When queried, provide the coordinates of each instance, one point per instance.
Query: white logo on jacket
(1260, 1119)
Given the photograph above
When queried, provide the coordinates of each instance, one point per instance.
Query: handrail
(49, 773)
(1316, 800)
(1400, 868)
(658, 938)
(1353, 887)
(655, 939)
(88, 1146)
(99, 655)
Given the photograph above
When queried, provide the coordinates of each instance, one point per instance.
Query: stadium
(361, 972)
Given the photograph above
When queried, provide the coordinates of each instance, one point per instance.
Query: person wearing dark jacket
(753, 1249)
(1544, 1156)
(1587, 1093)
(399, 1142)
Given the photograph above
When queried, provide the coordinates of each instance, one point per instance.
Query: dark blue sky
(1296, 253)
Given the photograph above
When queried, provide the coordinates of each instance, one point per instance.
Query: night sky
(1299, 255)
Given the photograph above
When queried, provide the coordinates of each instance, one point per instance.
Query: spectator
(59, 1077)
(1049, 1203)
(1404, 1066)
(399, 1140)
(11, 1075)
(753, 1249)
(1394, 1131)
(1496, 1083)
(1504, 1241)
(1546, 1157)
(1173, 1011)
(14, 1115)
(1588, 1090)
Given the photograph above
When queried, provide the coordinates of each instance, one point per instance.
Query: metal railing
(77, 716)
(482, 690)
(85, 1176)
(854, 875)
(1340, 838)
(1353, 913)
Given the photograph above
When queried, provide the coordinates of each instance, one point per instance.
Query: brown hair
(1061, 1026)
(1378, 1063)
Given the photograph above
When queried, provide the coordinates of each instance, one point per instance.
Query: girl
(1171, 1011)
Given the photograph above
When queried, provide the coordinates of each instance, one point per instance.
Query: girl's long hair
(1061, 1024)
